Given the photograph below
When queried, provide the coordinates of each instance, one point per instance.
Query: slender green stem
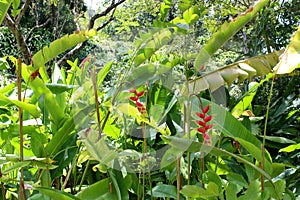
(265, 132)
(147, 157)
(84, 174)
(202, 168)
(71, 168)
(22, 194)
(178, 178)
(2, 186)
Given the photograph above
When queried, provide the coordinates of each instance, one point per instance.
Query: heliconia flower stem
(141, 108)
(203, 124)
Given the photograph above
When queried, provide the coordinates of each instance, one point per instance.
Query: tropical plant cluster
(149, 100)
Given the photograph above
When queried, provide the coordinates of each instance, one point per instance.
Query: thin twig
(79, 47)
(112, 6)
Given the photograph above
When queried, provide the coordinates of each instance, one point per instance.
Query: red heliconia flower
(207, 119)
(203, 126)
(200, 123)
(201, 115)
(139, 94)
(201, 130)
(138, 104)
(205, 110)
(208, 126)
(133, 98)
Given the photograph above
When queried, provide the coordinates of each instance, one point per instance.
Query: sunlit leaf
(32, 109)
(59, 46)
(289, 60)
(290, 148)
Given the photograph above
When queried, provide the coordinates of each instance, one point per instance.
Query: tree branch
(36, 27)
(22, 12)
(19, 38)
(107, 21)
(79, 47)
(112, 6)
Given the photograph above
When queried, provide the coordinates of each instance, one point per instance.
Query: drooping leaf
(289, 60)
(227, 30)
(98, 147)
(245, 69)
(244, 103)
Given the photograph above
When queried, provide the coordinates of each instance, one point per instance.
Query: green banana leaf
(226, 31)
(242, 70)
(59, 46)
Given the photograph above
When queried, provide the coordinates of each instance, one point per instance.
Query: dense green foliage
(170, 100)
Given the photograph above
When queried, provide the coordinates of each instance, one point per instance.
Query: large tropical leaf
(227, 30)
(32, 109)
(289, 60)
(255, 66)
(97, 191)
(4, 5)
(59, 46)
